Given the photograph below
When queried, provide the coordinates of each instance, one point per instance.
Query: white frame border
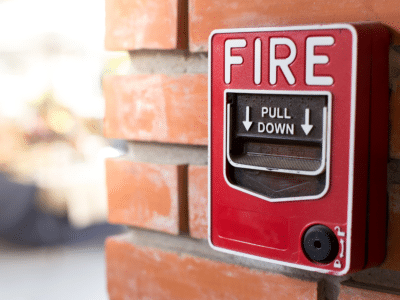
(352, 29)
(326, 143)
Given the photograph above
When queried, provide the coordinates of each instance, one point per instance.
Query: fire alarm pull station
(298, 145)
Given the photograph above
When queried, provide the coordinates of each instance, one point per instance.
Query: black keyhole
(317, 244)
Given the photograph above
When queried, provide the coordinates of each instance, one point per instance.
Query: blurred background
(53, 204)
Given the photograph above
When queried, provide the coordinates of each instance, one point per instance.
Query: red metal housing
(347, 64)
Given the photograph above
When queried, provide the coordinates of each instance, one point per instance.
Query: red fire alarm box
(298, 126)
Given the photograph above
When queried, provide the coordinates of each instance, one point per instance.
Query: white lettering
(257, 61)
(283, 63)
(312, 60)
(232, 60)
(286, 115)
(280, 128)
(272, 115)
(264, 111)
(277, 113)
(269, 127)
(290, 128)
(261, 127)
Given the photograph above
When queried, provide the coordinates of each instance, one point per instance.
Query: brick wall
(159, 188)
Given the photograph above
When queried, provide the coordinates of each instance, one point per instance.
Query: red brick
(142, 24)
(147, 195)
(160, 108)
(351, 293)
(198, 201)
(392, 260)
(395, 122)
(207, 15)
(139, 272)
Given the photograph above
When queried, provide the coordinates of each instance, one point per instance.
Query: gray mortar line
(168, 62)
(184, 245)
(160, 153)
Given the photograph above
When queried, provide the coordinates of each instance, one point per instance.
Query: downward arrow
(307, 127)
(247, 123)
